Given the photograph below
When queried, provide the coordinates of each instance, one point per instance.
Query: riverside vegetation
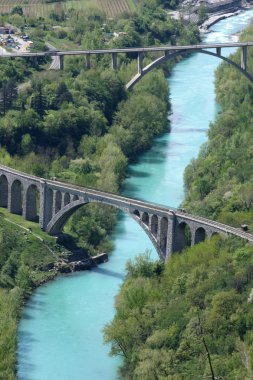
(79, 126)
(193, 317)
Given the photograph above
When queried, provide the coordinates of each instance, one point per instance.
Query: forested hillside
(192, 318)
(189, 319)
(219, 182)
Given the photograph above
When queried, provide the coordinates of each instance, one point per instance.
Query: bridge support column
(193, 236)
(170, 238)
(114, 61)
(42, 214)
(244, 58)
(9, 197)
(218, 51)
(61, 62)
(140, 62)
(165, 236)
(47, 207)
(87, 61)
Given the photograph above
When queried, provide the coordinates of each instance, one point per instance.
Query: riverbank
(213, 13)
(220, 15)
(214, 18)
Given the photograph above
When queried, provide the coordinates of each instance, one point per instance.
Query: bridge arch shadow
(154, 225)
(16, 205)
(183, 236)
(4, 190)
(145, 219)
(32, 203)
(200, 235)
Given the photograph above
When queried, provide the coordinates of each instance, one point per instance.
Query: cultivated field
(114, 7)
(33, 8)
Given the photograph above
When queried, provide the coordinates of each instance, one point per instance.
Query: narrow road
(55, 64)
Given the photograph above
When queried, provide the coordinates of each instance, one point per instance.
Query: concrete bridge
(51, 203)
(165, 53)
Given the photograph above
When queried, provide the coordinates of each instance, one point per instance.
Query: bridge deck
(131, 50)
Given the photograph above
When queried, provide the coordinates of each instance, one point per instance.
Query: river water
(60, 333)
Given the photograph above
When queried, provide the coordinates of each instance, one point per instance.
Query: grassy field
(33, 8)
(26, 224)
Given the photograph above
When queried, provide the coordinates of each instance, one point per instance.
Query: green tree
(17, 10)
(38, 101)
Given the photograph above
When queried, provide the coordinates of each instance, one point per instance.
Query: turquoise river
(60, 333)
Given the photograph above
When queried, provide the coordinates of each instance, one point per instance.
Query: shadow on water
(154, 160)
(36, 304)
(138, 173)
(24, 356)
(108, 272)
(131, 189)
(27, 316)
(189, 130)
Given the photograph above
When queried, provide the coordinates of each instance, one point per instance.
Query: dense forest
(76, 125)
(192, 317)
(189, 319)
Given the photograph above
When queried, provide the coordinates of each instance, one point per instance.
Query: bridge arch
(16, 204)
(145, 218)
(4, 189)
(145, 70)
(31, 196)
(183, 236)
(66, 199)
(154, 225)
(58, 221)
(137, 213)
(200, 235)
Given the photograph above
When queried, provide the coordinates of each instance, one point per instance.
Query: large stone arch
(16, 204)
(58, 221)
(32, 202)
(3, 191)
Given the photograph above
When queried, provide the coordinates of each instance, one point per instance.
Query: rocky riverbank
(208, 13)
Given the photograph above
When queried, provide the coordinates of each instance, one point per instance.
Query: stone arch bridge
(164, 54)
(51, 203)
